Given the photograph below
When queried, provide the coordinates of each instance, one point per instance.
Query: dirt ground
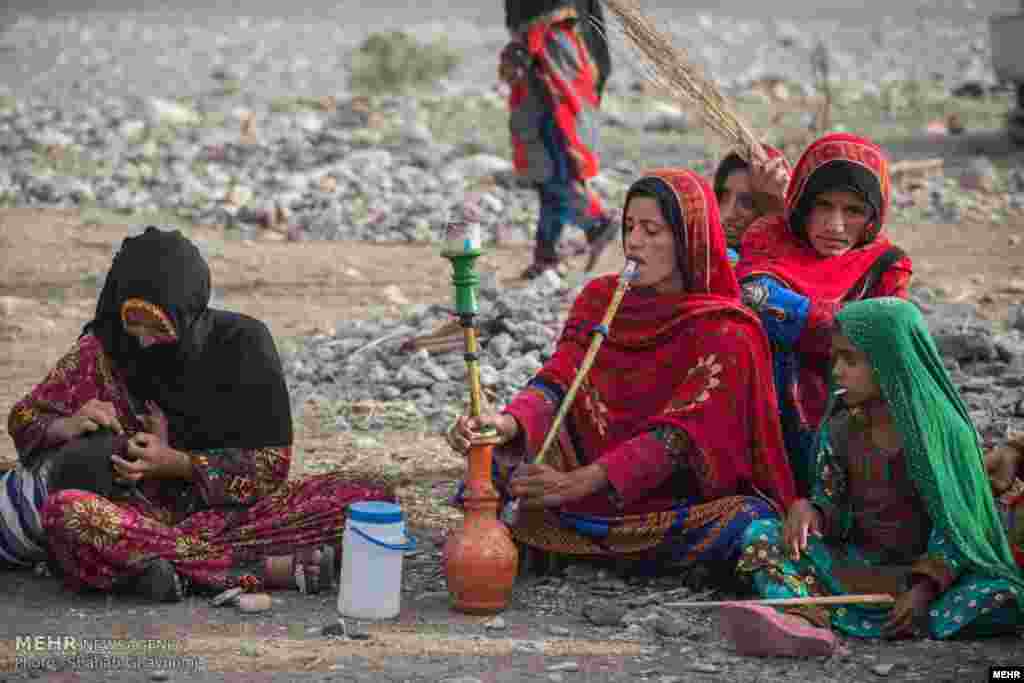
(50, 268)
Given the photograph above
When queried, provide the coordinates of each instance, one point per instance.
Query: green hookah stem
(588, 361)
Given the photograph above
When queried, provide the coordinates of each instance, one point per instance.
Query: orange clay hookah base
(480, 559)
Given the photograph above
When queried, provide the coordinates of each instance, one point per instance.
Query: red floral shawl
(697, 361)
(771, 247)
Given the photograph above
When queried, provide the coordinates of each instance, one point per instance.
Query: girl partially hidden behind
(197, 417)
(901, 504)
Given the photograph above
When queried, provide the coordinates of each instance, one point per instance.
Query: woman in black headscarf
(186, 408)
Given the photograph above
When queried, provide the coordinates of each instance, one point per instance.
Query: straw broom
(670, 71)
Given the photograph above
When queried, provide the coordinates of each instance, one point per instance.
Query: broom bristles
(669, 70)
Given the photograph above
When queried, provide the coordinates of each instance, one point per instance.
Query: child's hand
(155, 422)
(1001, 465)
(911, 608)
(802, 520)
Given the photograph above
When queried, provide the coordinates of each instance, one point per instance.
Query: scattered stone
(981, 175)
(564, 666)
(228, 597)
(334, 630)
(604, 614)
(669, 627)
(252, 603)
(496, 624)
(665, 118)
(883, 670)
(358, 632)
(556, 630)
(704, 668)
(159, 675)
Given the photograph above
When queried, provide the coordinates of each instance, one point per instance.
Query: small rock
(564, 666)
(357, 632)
(164, 111)
(334, 630)
(495, 624)
(462, 679)
(882, 669)
(666, 118)
(393, 294)
(604, 614)
(981, 175)
(704, 668)
(230, 596)
(159, 675)
(11, 304)
(669, 627)
(556, 630)
(251, 603)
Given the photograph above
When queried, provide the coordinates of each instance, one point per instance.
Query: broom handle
(600, 332)
(870, 598)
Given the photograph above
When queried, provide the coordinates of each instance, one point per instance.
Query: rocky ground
(319, 207)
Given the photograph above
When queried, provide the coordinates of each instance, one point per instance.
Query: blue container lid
(375, 512)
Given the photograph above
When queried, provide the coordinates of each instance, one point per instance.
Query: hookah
(480, 559)
(510, 515)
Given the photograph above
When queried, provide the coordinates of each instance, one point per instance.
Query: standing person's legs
(554, 214)
(566, 199)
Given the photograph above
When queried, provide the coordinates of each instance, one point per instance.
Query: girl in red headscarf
(671, 447)
(799, 268)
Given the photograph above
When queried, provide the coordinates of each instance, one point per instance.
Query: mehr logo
(51, 643)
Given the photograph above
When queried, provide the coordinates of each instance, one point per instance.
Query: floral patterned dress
(238, 508)
(891, 540)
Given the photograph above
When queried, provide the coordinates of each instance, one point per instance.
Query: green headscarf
(941, 447)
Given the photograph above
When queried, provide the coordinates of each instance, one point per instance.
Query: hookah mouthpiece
(630, 272)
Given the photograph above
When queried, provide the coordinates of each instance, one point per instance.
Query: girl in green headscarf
(901, 504)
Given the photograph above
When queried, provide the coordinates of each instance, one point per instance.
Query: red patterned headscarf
(840, 161)
(689, 205)
(777, 245)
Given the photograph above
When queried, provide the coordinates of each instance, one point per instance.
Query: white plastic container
(370, 586)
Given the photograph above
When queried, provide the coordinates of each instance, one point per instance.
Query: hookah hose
(626, 277)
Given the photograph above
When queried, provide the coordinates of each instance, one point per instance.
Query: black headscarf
(835, 176)
(590, 22)
(221, 385)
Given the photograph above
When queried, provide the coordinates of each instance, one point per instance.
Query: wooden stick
(871, 598)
